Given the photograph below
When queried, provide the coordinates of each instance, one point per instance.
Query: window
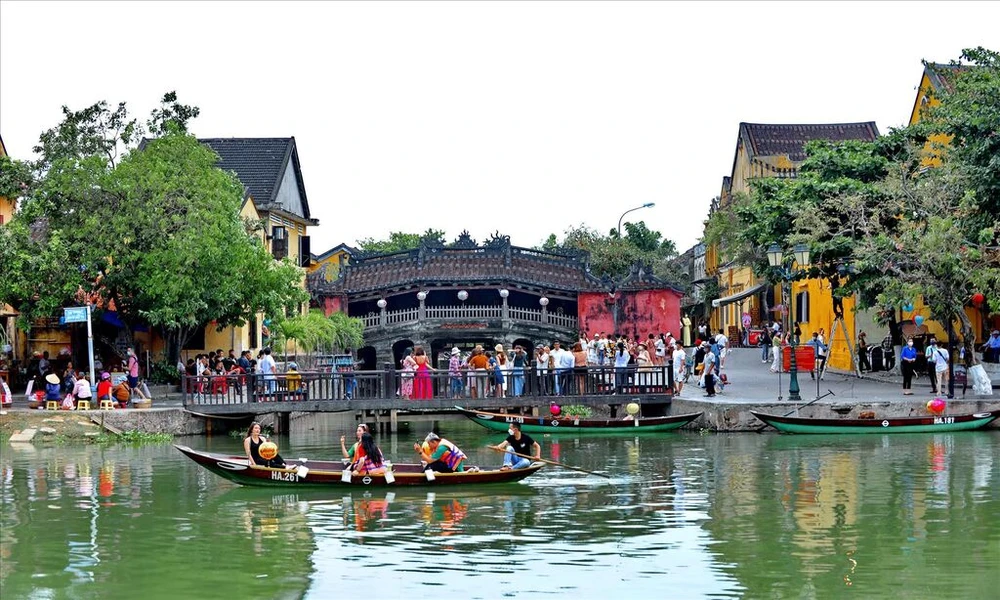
(802, 307)
(279, 242)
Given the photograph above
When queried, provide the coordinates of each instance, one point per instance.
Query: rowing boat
(322, 473)
(930, 423)
(540, 424)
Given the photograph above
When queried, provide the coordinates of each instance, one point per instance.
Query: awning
(740, 296)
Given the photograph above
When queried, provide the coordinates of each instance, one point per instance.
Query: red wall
(332, 304)
(639, 313)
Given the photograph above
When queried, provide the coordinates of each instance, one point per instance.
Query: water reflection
(700, 516)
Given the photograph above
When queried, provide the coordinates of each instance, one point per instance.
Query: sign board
(75, 314)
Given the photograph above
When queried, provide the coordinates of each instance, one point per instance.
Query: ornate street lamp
(775, 258)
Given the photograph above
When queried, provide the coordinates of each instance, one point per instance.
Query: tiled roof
(942, 77)
(776, 140)
(465, 266)
(260, 164)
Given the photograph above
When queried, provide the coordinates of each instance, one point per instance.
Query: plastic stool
(51, 405)
(83, 405)
(107, 405)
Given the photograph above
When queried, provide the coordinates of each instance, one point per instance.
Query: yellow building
(333, 260)
(776, 150)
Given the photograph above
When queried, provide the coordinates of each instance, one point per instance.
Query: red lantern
(936, 406)
(977, 299)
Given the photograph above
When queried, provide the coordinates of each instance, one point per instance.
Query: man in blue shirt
(992, 348)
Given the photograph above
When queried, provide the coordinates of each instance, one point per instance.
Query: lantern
(543, 301)
(463, 295)
(421, 296)
(978, 299)
(268, 450)
(504, 293)
(555, 410)
(632, 408)
(908, 307)
(919, 320)
(936, 406)
(382, 303)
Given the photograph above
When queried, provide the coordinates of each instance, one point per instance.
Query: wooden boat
(325, 473)
(530, 424)
(929, 423)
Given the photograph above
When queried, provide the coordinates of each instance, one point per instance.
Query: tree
(399, 241)
(152, 232)
(614, 257)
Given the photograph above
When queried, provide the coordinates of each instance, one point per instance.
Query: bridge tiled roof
(465, 266)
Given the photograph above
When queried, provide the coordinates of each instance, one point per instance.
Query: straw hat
(499, 348)
(52, 378)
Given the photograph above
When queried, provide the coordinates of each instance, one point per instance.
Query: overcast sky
(521, 117)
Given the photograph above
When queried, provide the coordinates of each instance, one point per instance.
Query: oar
(552, 462)
(829, 392)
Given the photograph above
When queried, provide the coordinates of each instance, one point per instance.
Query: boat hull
(924, 424)
(327, 474)
(530, 424)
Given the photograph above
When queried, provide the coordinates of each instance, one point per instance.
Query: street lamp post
(646, 205)
(776, 259)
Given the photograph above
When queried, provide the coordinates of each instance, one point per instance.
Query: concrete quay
(753, 387)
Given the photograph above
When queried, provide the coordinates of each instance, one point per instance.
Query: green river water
(685, 516)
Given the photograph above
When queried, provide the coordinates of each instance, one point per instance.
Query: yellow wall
(821, 317)
(332, 263)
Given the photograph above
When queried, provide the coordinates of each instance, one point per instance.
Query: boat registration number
(943, 420)
(279, 476)
(514, 419)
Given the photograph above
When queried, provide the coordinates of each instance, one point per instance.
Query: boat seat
(51, 405)
(83, 405)
(107, 405)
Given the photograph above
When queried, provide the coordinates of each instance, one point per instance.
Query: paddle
(829, 392)
(552, 462)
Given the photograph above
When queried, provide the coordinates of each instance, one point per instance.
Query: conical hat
(52, 378)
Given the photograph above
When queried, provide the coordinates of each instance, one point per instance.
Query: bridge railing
(425, 385)
(412, 315)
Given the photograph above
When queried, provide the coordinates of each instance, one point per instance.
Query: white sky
(521, 117)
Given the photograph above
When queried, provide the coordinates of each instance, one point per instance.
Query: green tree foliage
(313, 331)
(614, 257)
(969, 115)
(15, 177)
(156, 233)
(399, 241)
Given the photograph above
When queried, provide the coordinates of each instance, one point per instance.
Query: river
(685, 515)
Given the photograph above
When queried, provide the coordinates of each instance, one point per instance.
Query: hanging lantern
(908, 307)
(978, 299)
(382, 303)
(463, 295)
(919, 320)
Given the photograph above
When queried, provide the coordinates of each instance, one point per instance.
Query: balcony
(467, 313)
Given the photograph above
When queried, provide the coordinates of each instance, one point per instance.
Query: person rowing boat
(441, 455)
(518, 443)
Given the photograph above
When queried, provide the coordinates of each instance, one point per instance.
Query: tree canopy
(614, 256)
(399, 241)
(152, 231)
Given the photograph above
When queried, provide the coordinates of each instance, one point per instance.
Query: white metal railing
(412, 315)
